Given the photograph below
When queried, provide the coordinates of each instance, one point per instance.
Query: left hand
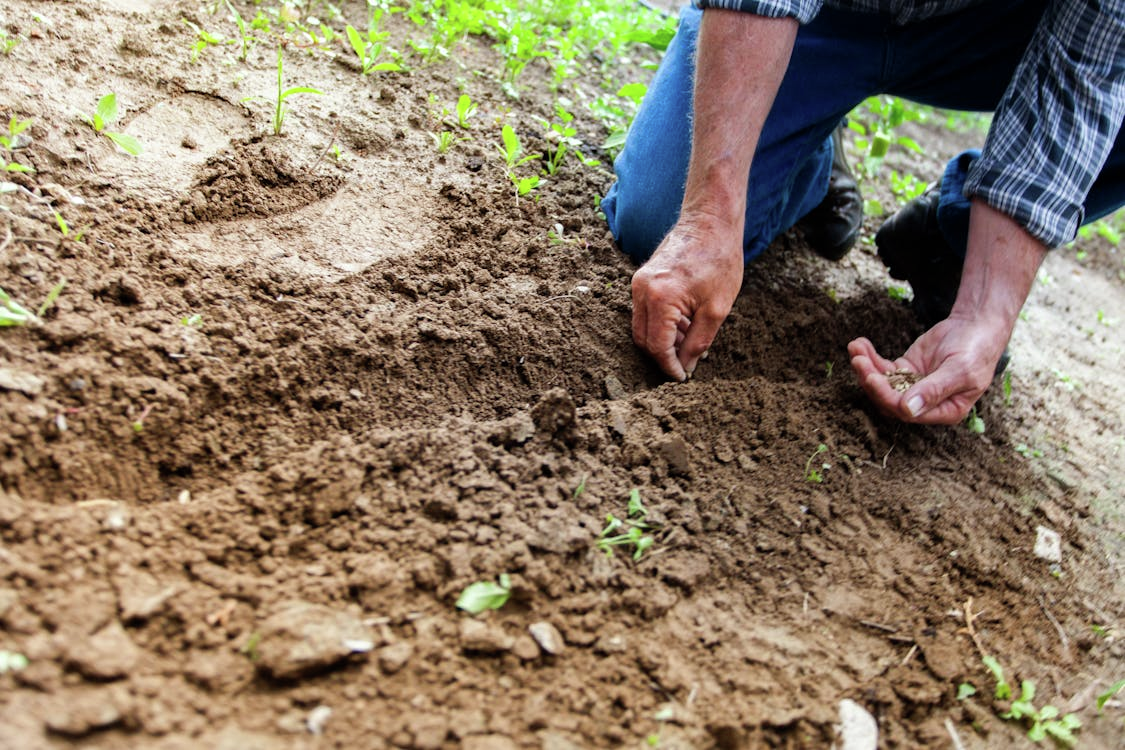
(956, 359)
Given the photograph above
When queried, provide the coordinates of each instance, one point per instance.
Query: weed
(1044, 721)
(106, 114)
(11, 142)
(444, 140)
(204, 39)
(974, 422)
(7, 43)
(283, 94)
(466, 107)
(250, 648)
(1114, 689)
(1006, 386)
(245, 37)
(816, 474)
(370, 49)
(482, 595)
(12, 661)
(629, 531)
(900, 293)
(580, 488)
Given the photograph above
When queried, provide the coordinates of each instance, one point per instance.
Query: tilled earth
(289, 405)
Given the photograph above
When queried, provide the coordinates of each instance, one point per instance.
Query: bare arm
(958, 355)
(686, 290)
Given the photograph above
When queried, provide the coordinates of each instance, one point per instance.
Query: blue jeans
(962, 61)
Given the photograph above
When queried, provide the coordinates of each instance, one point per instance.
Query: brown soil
(214, 530)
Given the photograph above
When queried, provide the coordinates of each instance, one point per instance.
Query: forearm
(1000, 267)
(740, 63)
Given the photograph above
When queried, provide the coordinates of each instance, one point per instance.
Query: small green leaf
(12, 661)
(636, 507)
(965, 690)
(51, 297)
(483, 595)
(1113, 690)
(357, 44)
(298, 90)
(126, 143)
(106, 112)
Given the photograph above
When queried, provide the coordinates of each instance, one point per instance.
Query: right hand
(684, 293)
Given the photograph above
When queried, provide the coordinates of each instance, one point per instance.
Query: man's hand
(684, 293)
(955, 360)
(957, 357)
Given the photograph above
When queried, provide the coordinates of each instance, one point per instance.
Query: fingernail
(915, 405)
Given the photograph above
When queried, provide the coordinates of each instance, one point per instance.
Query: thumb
(934, 399)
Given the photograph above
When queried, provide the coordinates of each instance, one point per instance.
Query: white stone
(1048, 544)
(857, 729)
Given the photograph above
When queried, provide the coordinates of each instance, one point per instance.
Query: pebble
(525, 648)
(302, 638)
(18, 380)
(394, 657)
(548, 637)
(1048, 544)
(614, 390)
(76, 713)
(483, 638)
(857, 728)
(318, 717)
(107, 655)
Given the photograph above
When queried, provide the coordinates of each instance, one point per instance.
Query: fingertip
(915, 405)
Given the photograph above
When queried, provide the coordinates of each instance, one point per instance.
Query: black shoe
(832, 227)
(913, 248)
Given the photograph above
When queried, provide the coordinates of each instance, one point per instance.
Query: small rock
(614, 390)
(140, 595)
(76, 713)
(483, 638)
(303, 638)
(857, 729)
(318, 717)
(608, 645)
(1061, 479)
(1048, 544)
(394, 657)
(107, 655)
(525, 648)
(548, 637)
(428, 732)
(675, 452)
(489, 742)
(18, 380)
(8, 599)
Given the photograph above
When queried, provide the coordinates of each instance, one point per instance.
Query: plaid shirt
(1056, 123)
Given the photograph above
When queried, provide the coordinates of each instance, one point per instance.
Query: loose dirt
(249, 528)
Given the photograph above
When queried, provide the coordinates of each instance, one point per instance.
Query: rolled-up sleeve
(803, 10)
(1057, 121)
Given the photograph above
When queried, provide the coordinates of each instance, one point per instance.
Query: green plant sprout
(974, 423)
(283, 94)
(13, 313)
(1105, 697)
(885, 114)
(7, 43)
(580, 488)
(828, 367)
(66, 231)
(466, 107)
(899, 293)
(444, 140)
(11, 142)
(204, 39)
(965, 690)
(106, 114)
(195, 320)
(1045, 722)
(250, 648)
(512, 150)
(563, 132)
(246, 39)
(632, 529)
(906, 187)
(816, 474)
(1006, 386)
(369, 49)
(482, 595)
(12, 661)
(1027, 452)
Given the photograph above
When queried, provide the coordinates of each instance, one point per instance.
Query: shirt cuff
(803, 10)
(1048, 214)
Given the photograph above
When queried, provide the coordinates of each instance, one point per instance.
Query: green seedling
(1045, 722)
(1027, 452)
(580, 488)
(466, 108)
(482, 595)
(1105, 697)
(906, 187)
(52, 297)
(965, 690)
(1006, 386)
(816, 474)
(13, 313)
(828, 367)
(12, 661)
(524, 185)
(11, 141)
(974, 423)
(247, 40)
(283, 94)
(900, 293)
(204, 39)
(106, 114)
(512, 150)
(628, 531)
(7, 43)
(195, 320)
(884, 115)
(1003, 689)
(444, 140)
(369, 49)
(250, 648)
(65, 229)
